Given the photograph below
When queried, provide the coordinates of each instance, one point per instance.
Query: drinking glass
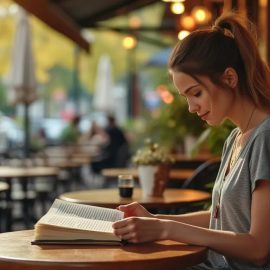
(125, 185)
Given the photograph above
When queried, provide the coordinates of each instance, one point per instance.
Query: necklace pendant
(216, 212)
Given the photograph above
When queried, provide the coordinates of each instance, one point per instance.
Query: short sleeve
(260, 158)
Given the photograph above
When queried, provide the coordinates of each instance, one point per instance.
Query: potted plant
(173, 124)
(153, 167)
(213, 137)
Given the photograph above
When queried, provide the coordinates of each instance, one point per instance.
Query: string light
(173, 1)
(182, 34)
(201, 14)
(187, 22)
(129, 42)
(177, 8)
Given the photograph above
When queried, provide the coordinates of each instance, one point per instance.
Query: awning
(69, 17)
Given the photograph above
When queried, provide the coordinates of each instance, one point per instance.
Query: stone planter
(153, 179)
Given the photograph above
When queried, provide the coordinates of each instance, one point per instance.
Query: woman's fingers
(132, 209)
(135, 229)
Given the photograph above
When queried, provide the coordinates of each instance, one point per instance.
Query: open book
(72, 223)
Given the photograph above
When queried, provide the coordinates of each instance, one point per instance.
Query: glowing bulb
(177, 8)
(201, 14)
(173, 1)
(182, 34)
(187, 22)
(129, 42)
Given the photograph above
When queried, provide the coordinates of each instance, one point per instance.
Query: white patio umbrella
(104, 88)
(22, 78)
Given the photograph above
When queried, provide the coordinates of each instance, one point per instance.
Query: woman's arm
(200, 218)
(253, 246)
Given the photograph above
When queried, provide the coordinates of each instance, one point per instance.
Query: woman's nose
(193, 107)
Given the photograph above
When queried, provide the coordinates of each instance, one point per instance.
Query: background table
(3, 187)
(179, 174)
(24, 175)
(110, 198)
(8, 172)
(16, 253)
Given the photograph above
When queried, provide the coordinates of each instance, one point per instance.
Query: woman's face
(211, 103)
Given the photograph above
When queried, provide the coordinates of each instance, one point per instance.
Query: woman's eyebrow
(188, 89)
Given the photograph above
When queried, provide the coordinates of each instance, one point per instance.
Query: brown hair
(229, 43)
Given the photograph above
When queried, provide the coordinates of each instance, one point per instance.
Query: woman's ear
(230, 77)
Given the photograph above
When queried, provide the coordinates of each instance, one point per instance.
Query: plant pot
(153, 179)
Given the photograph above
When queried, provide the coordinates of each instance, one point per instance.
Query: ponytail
(229, 43)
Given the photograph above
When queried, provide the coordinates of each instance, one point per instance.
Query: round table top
(110, 197)
(3, 186)
(63, 163)
(180, 174)
(17, 253)
(20, 172)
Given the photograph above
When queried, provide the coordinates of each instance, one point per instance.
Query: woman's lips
(204, 116)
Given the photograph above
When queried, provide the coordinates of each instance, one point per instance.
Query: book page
(75, 223)
(82, 217)
(61, 207)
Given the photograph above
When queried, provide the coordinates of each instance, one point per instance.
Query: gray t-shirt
(235, 189)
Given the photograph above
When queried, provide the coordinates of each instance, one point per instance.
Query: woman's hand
(140, 229)
(134, 210)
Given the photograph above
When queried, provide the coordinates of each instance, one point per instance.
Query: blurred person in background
(96, 136)
(71, 134)
(39, 140)
(116, 152)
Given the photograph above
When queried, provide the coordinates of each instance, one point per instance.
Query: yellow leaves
(50, 49)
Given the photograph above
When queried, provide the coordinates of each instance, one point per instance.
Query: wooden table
(3, 187)
(16, 253)
(75, 151)
(179, 174)
(24, 174)
(199, 157)
(8, 172)
(110, 198)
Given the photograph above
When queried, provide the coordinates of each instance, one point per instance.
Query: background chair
(5, 208)
(202, 179)
(204, 176)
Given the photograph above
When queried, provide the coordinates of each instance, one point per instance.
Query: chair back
(204, 176)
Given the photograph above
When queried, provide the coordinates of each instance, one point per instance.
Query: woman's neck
(246, 115)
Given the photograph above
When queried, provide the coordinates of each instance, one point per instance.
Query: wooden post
(267, 34)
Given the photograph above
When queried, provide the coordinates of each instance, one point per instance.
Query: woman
(221, 75)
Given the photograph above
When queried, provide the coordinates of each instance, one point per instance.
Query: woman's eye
(198, 94)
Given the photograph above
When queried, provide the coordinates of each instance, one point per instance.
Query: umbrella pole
(27, 133)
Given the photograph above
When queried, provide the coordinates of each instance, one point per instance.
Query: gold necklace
(234, 156)
(238, 142)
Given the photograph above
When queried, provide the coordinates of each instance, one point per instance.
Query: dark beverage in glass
(126, 192)
(125, 185)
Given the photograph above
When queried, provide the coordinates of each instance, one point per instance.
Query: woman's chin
(212, 123)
